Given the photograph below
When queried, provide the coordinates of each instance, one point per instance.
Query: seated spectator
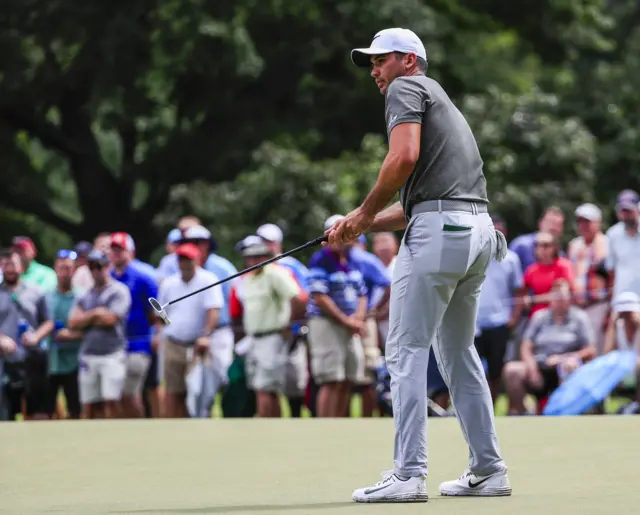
(65, 343)
(30, 313)
(557, 340)
(336, 313)
(194, 320)
(33, 272)
(552, 222)
(101, 315)
(264, 300)
(588, 252)
(548, 268)
(623, 332)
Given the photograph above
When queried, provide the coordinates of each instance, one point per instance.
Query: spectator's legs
(37, 395)
(328, 400)
(515, 380)
(175, 368)
(343, 408)
(493, 349)
(297, 377)
(137, 365)
(371, 350)
(71, 394)
(268, 405)
(151, 394)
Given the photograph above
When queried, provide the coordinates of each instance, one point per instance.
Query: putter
(160, 309)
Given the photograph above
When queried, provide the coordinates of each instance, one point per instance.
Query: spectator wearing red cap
(194, 320)
(140, 320)
(34, 273)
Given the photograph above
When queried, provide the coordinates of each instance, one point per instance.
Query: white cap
(197, 232)
(330, 222)
(626, 302)
(389, 40)
(270, 232)
(249, 240)
(589, 212)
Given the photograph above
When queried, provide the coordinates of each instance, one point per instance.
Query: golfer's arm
(398, 165)
(326, 304)
(391, 219)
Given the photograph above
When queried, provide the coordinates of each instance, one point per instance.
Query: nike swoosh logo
(474, 485)
(377, 489)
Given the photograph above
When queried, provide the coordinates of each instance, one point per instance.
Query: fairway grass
(579, 465)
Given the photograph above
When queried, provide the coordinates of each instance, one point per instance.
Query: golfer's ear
(404, 141)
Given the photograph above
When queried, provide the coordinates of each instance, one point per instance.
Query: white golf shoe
(482, 486)
(394, 489)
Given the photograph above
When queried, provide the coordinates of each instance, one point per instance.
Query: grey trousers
(434, 299)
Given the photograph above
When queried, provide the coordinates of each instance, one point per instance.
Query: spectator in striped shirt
(336, 312)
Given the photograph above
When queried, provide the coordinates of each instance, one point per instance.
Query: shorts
(69, 384)
(176, 358)
(297, 370)
(491, 345)
(101, 378)
(137, 368)
(336, 355)
(550, 381)
(37, 387)
(265, 364)
(153, 373)
(371, 349)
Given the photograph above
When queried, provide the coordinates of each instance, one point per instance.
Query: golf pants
(434, 298)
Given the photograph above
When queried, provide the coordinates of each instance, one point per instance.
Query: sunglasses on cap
(67, 254)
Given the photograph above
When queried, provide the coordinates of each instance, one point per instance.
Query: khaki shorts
(265, 364)
(101, 378)
(137, 367)
(336, 355)
(176, 358)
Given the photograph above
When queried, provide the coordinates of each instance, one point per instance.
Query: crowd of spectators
(80, 339)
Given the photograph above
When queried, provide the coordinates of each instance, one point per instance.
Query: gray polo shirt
(550, 338)
(97, 340)
(449, 165)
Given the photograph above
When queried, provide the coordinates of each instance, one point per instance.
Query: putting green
(579, 465)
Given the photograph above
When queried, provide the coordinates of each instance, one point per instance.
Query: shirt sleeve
(120, 302)
(43, 307)
(318, 280)
(406, 102)
(213, 297)
(285, 283)
(517, 277)
(151, 289)
(534, 325)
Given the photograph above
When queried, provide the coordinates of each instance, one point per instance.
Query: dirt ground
(579, 465)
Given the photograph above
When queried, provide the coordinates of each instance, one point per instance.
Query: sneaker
(482, 486)
(394, 489)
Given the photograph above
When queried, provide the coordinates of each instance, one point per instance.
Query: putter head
(157, 307)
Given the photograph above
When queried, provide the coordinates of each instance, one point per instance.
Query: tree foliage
(125, 115)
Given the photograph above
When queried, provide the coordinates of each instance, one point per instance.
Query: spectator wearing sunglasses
(33, 272)
(101, 315)
(65, 342)
(141, 318)
(27, 309)
(548, 268)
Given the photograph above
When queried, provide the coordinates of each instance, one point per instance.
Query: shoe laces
(387, 475)
(466, 474)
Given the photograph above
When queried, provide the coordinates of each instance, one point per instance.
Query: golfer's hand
(350, 227)
(202, 345)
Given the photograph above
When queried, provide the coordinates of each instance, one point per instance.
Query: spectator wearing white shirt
(193, 322)
(624, 245)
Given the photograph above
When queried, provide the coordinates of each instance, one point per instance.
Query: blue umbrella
(591, 383)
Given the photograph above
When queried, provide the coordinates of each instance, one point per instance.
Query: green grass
(557, 466)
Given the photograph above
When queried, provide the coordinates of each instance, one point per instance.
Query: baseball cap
(23, 243)
(329, 222)
(83, 248)
(197, 232)
(97, 256)
(188, 250)
(249, 240)
(174, 236)
(389, 40)
(626, 302)
(627, 199)
(270, 232)
(256, 250)
(589, 212)
(122, 240)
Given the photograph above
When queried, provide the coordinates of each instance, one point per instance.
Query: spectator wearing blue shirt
(139, 321)
(498, 311)
(168, 264)
(552, 221)
(378, 282)
(297, 361)
(336, 311)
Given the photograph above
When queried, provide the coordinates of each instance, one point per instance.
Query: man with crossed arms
(434, 162)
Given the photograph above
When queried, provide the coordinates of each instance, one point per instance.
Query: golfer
(434, 162)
